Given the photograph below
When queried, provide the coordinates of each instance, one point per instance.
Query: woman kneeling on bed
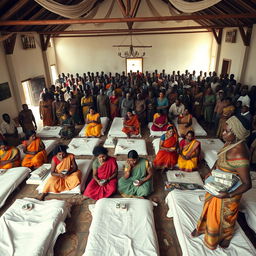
(64, 171)
(137, 179)
(131, 124)
(104, 181)
(34, 149)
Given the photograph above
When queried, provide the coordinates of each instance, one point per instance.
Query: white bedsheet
(155, 133)
(84, 165)
(185, 207)
(123, 146)
(209, 150)
(104, 122)
(49, 132)
(34, 232)
(116, 129)
(10, 180)
(120, 232)
(83, 146)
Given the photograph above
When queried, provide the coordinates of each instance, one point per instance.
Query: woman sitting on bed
(137, 179)
(160, 121)
(93, 127)
(190, 152)
(167, 155)
(34, 149)
(68, 126)
(64, 172)
(9, 156)
(131, 124)
(184, 123)
(104, 181)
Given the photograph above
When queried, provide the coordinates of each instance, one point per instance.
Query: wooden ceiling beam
(128, 8)
(120, 20)
(218, 37)
(246, 36)
(44, 40)
(9, 44)
(13, 9)
(122, 7)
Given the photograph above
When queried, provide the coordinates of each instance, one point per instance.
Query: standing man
(27, 120)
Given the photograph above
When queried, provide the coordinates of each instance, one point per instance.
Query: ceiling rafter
(14, 9)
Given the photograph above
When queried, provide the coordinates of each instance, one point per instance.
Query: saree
(209, 101)
(182, 127)
(58, 184)
(86, 103)
(165, 158)
(219, 216)
(74, 110)
(34, 160)
(10, 154)
(46, 112)
(104, 171)
(159, 120)
(114, 105)
(188, 150)
(134, 122)
(68, 128)
(126, 187)
(60, 108)
(93, 129)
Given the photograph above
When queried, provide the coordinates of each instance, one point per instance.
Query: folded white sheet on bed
(83, 146)
(34, 232)
(49, 132)
(185, 177)
(38, 175)
(122, 232)
(185, 207)
(104, 122)
(10, 180)
(123, 146)
(116, 129)
(155, 133)
(209, 150)
(84, 165)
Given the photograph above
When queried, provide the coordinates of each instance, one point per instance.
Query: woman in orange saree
(167, 155)
(34, 149)
(9, 156)
(190, 152)
(184, 123)
(46, 111)
(93, 127)
(114, 105)
(131, 124)
(220, 211)
(160, 121)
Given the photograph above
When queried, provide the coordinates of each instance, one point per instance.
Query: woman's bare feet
(195, 233)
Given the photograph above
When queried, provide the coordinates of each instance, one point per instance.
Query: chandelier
(131, 52)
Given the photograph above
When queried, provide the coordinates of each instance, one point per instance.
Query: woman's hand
(223, 195)
(140, 182)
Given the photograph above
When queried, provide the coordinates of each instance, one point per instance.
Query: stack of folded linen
(39, 174)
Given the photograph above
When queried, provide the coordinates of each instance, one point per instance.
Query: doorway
(134, 64)
(54, 73)
(226, 64)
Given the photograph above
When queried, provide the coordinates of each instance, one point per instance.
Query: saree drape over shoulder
(165, 158)
(159, 120)
(104, 171)
(46, 112)
(34, 160)
(58, 184)
(10, 154)
(93, 129)
(114, 106)
(134, 122)
(188, 150)
(126, 187)
(219, 216)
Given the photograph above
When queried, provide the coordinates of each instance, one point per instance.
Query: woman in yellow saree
(9, 156)
(220, 212)
(93, 128)
(190, 151)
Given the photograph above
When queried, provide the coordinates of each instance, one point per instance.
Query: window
(134, 64)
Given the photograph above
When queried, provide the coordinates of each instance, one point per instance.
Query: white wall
(51, 57)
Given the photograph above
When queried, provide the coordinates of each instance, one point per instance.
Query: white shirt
(8, 128)
(176, 110)
(245, 100)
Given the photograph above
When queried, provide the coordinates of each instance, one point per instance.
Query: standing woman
(86, 103)
(104, 181)
(220, 212)
(114, 105)
(140, 108)
(151, 105)
(208, 105)
(162, 102)
(45, 111)
(74, 108)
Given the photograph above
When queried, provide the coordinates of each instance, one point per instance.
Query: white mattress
(123, 146)
(34, 232)
(104, 122)
(10, 180)
(49, 132)
(209, 150)
(38, 175)
(198, 129)
(121, 233)
(116, 129)
(83, 146)
(185, 207)
(155, 133)
(84, 165)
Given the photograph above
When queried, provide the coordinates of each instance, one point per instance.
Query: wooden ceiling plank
(246, 6)
(13, 9)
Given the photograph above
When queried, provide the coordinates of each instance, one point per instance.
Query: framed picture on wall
(5, 91)
(231, 36)
(28, 41)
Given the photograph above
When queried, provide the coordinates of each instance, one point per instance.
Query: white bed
(209, 150)
(123, 146)
(104, 122)
(10, 180)
(185, 207)
(38, 175)
(155, 133)
(122, 232)
(49, 132)
(116, 129)
(34, 232)
(84, 165)
(83, 146)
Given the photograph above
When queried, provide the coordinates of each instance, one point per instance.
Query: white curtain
(68, 11)
(190, 7)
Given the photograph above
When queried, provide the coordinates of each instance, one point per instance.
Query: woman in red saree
(114, 105)
(160, 121)
(104, 181)
(131, 124)
(167, 155)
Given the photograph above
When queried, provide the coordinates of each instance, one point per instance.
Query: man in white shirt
(244, 98)
(176, 109)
